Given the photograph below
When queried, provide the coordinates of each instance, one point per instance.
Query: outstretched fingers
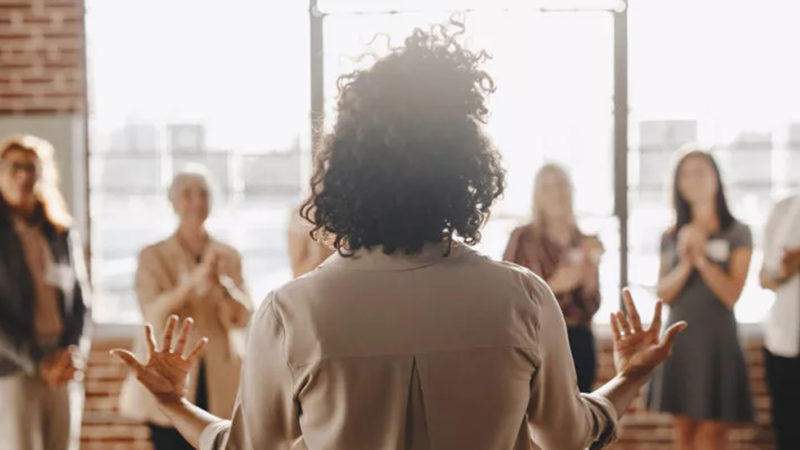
(624, 326)
(668, 340)
(195, 353)
(150, 339)
(127, 357)
(183, 336)
(655, 325)
(615, 328)
(169, 331)
(633, 313)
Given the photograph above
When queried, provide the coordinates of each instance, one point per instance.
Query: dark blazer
(18, 348)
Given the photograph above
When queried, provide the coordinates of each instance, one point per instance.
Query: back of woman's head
(407, 162)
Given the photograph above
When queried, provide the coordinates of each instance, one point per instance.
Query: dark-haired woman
(408, 339)
(704, 261)
(43, 308)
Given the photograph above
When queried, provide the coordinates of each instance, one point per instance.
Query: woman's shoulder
(737, 226)
(669, 236)
(739, 233)
(522, 229)
(226, 249)
(159, 252)
(508, 275)
(154, 248)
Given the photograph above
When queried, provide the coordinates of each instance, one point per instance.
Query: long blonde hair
(538, 211)
(46, 190)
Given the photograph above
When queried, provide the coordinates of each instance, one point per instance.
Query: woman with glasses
(44, 310)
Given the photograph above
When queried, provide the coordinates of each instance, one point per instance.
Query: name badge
(718, 250)
(60, 276)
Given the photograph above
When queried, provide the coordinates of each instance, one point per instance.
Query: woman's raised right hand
(638, 351)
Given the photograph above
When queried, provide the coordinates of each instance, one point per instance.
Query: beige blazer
(162, 266)
(420, 352)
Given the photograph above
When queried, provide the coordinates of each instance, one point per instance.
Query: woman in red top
(554, 248)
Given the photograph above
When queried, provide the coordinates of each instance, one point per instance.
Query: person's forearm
(671, 285)
(721, 284)
(772, 279)
(622, 390)
(189, 419)
(236, 294)
(561, 286)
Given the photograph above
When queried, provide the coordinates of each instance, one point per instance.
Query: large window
(177, 82)
(554, 99)
(229, 87)
(721, 74)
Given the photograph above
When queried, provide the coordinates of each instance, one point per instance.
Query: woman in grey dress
(704, 262)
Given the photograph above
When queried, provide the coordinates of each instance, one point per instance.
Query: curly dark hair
(407, 162)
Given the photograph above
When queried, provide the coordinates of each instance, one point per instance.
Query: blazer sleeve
(234, 313)
(155, 297)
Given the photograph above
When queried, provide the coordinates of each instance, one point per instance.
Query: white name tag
(61, 276)
(718, 250)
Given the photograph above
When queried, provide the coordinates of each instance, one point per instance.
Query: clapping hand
(165, 374)
(638, 351)
(61, 366)
(791, 260)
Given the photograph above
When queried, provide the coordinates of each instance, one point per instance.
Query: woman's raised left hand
(166, 371)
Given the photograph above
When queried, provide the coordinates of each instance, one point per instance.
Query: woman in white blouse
(781, 274)
(407, 338)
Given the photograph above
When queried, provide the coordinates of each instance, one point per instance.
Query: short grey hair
(190, 171)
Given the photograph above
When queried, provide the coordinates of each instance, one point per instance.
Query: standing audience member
(553, 247)
(407, 338)
(704, 261)
(192, 274)
(781, 273)
(44, 311)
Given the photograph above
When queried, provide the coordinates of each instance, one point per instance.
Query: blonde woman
(553, 247)
(43, 307)
(192, 274)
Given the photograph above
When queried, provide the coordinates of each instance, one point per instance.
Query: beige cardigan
(218, 317)
(411, 352)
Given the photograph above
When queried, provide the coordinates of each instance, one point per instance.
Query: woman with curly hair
(407, 338)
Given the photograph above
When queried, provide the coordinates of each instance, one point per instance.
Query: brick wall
(103, 427)
(42, 52)
(641, 429)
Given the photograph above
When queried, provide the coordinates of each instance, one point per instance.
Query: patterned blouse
(530, 248)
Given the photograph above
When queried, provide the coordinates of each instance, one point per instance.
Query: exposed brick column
(42, 53)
